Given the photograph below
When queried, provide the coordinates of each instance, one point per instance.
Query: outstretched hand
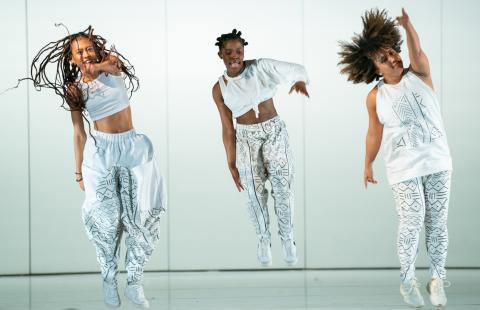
(299, 87)
(403, 20)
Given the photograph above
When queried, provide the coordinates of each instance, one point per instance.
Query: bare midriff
(115, 123)
(266, 111)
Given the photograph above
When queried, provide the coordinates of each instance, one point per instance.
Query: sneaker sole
(267, 264)
(292, 263)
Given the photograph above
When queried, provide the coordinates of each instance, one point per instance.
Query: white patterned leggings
(423, 201)
(123, 193)
(263, 153)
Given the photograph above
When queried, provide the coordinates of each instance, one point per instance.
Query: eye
(383, 59)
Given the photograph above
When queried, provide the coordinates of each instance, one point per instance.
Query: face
(83, 52)
(232, 56)
(388, 63)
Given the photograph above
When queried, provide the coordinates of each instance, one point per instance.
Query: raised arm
(228, 135)
(111, 65)
(373, 139)
(418, 60)
(79, 139)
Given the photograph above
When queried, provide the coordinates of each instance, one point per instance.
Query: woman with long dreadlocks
(116, 167)
(258, 150)
(404, 116)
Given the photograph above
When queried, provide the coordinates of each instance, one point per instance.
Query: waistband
(266, 125)
(114, 137)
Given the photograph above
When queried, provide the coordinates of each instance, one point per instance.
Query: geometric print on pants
(124, 194)
(263, 153)
(423, 201)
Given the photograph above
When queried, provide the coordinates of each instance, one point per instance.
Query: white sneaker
(135, 293)
(110, 295)
(264, 252)
(411, 293)
(289, 252)
(437, 293)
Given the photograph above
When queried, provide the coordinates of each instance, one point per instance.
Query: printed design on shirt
(93, 90)
(411, 112)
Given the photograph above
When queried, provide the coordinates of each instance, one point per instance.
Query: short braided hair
(234, 35)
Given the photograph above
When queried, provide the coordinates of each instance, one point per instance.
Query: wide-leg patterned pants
(123, 193)
(263, 153)
(423, 201)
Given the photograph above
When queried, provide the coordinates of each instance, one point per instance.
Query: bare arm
(418, 60)
(79, 139)
(373, 139)
(228, 135)
(111, 64)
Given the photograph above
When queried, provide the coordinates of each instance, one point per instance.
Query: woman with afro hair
(404, 116)
(258, 148)
(115, 166)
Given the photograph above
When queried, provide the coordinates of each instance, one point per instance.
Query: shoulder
(372, 97)
(262, 61)
(216, 91)
(419, 76)
(216, 87)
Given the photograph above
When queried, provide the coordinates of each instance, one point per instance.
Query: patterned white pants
(123, 193)
(263, 153)
(423, 201)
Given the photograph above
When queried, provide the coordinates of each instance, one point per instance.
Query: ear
(220, 54)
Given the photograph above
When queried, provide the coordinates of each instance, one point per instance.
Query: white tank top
(414, 140)
(106, 95)
(258, 82)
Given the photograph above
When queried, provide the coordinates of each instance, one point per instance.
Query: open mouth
(236, 64)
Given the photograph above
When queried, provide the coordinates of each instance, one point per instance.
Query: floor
(290, 289)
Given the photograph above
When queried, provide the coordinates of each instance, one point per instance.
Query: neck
(394, 79)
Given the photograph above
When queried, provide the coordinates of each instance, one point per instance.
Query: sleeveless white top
(414, 140)
(106, 95)
(258, 82)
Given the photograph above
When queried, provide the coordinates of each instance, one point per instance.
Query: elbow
(228, 135)
(80, 137)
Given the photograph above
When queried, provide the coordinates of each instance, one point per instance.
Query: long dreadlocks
(66, 79)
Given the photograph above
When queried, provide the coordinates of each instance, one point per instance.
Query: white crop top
(258, 82)
(104, 96)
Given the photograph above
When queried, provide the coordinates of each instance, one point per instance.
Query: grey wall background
(171, 43)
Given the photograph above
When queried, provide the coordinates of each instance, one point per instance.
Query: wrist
(407, 25)
(78, 176)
